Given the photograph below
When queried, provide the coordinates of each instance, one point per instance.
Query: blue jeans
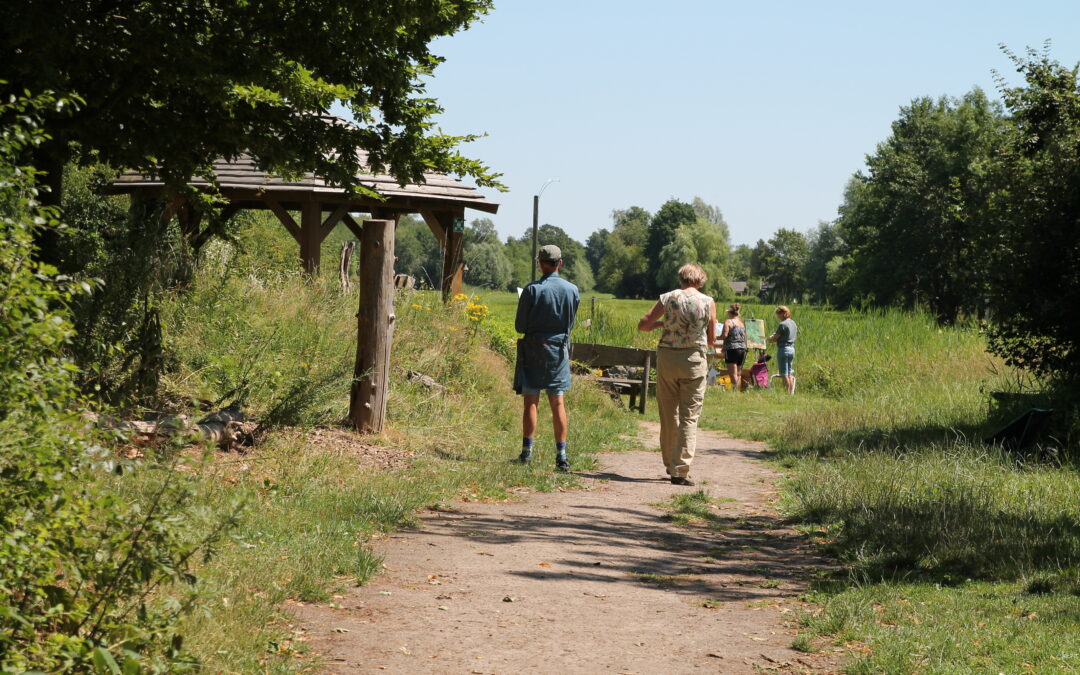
(785, 357)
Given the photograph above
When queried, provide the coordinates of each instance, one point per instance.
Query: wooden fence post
(375, 327)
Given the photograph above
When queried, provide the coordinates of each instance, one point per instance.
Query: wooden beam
(334, 218)
(434, 225)
(200, 239)
(311, 237)
(375, 327)
(285, 218)
(353, 226)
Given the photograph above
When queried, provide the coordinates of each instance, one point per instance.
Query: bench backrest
(604, 356)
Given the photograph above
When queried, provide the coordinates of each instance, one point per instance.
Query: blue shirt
(545, 316)
(786, 332)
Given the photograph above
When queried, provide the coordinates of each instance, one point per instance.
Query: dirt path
(586, 581)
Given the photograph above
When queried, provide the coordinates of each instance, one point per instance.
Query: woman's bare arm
(652, 318)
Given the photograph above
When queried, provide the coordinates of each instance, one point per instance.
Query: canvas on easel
(755, 333)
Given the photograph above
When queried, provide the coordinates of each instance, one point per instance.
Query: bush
(80, 572)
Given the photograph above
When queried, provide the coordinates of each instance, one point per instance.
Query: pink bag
(759, 372)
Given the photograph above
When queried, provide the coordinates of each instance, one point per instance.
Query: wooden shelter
(441, 201)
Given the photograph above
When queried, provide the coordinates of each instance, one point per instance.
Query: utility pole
(536, 221)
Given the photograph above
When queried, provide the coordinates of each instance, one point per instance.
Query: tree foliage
(229, 77)
(917, 221)
(1034, 270)
(79, 568)
(418, 251)
(672, 215)
(624, 267)
(782, 262)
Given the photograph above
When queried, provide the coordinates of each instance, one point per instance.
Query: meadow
(956, 557)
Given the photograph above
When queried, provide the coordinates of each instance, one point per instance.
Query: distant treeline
(970, 208)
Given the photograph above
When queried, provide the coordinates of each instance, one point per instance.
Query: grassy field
(957, 558)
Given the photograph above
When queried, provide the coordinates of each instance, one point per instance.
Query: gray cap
(549, 254)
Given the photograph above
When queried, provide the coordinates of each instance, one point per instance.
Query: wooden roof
(241, 180)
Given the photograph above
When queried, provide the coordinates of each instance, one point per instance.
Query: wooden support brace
(200, 239)
(353, 226)
(285, 218)
(435, 226)
(333, 219)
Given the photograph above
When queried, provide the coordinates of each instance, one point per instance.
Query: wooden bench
(606, 356)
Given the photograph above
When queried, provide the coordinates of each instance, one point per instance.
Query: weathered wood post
(375, 327)
(645, 382)
(345, 264)
(311, 237)
(453, 225)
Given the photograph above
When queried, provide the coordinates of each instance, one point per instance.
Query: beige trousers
(680, 392)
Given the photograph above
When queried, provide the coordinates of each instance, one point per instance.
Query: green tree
(624, 267)
(703, 243)
(486, 265)
(783, 260)
(519, 253)
(480, 231)
(917, 222)
(418, 251)
(825, 244)
(81, 570)
(739, 265)
(572, 250)
(712, 214)
(596, 249)
(1035, 266)
(171, 86)
(757, 259)
(672, 215)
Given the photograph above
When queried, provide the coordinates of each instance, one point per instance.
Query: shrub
(80, 572)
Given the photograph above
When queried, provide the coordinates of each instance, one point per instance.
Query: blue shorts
(785, 356)
(529, 391)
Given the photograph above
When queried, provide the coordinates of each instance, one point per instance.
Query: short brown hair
(783, 311)
(692, 275)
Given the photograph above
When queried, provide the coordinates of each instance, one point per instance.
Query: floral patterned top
(686, 318)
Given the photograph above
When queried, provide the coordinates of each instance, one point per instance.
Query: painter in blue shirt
(545, 315)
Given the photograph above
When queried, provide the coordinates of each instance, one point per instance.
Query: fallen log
(223, 428)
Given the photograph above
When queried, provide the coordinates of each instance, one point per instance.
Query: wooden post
(345, 264)
(453, 224)
(645, 383)
(375, 327)
(311, 237)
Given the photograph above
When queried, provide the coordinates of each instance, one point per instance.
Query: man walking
(545, 314)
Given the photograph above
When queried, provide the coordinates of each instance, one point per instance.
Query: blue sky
(762, 109)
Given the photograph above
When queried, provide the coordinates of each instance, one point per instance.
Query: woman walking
(784, 337)
(688, 319)
(733, 339)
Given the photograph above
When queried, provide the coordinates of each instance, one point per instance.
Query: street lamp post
(536, 220)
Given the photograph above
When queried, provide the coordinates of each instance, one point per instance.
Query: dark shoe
(680, 480)
(562, 464)
(525, 457)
